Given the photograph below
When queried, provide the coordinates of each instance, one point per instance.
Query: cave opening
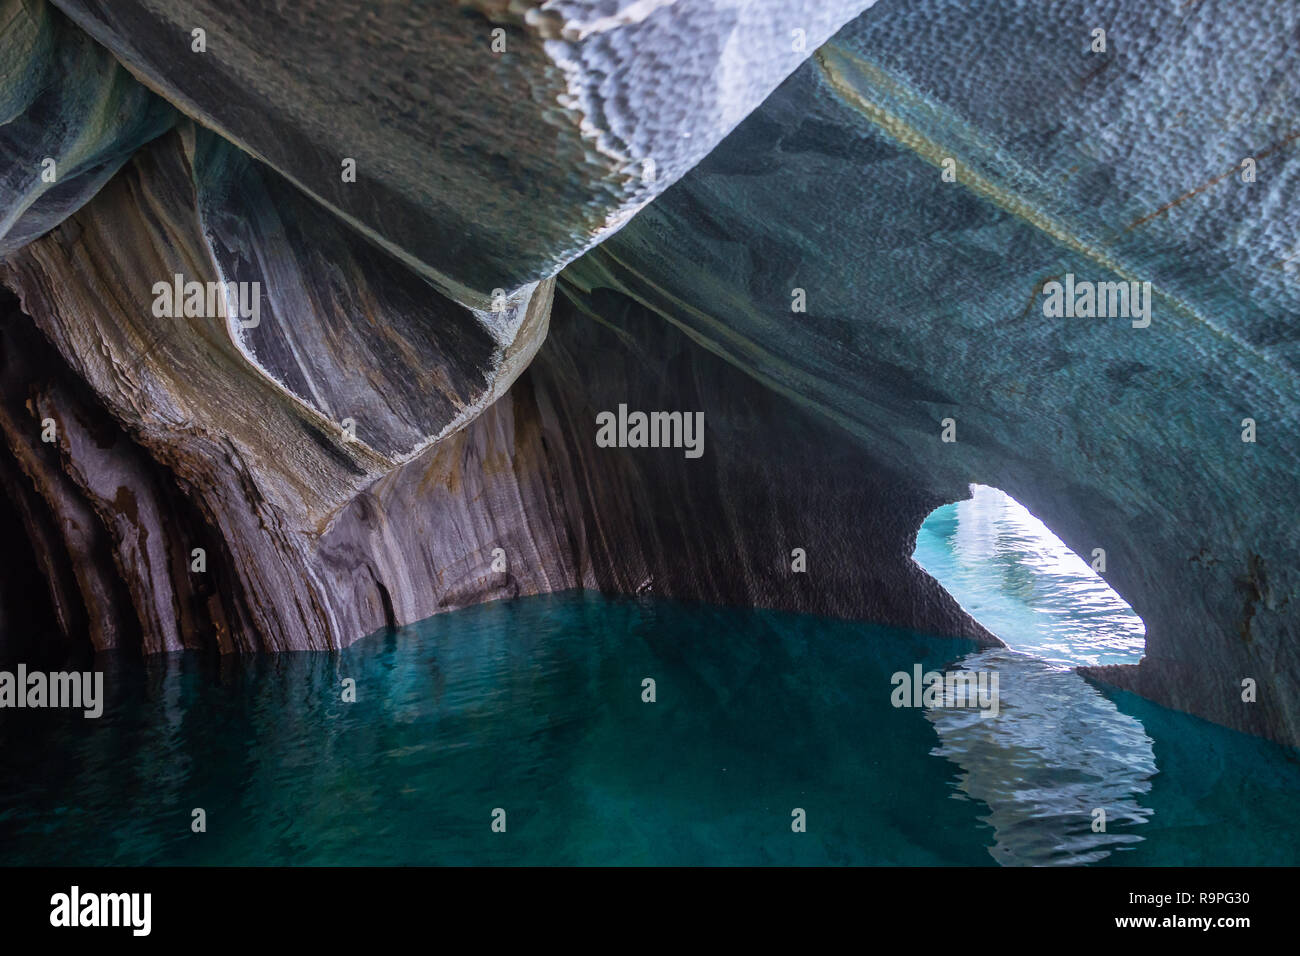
(1013, 575)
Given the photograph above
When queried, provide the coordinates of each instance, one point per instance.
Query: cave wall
(527, 477)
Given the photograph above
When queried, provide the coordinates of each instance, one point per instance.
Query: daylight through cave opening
(1018, 579)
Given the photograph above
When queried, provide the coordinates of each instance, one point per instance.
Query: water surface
(534, 706)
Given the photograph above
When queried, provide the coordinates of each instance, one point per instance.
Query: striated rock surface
(267, 466)
(529, 478)
(526, 477)
(111, 532)
(494, 140)
(70, 116)
(91, 284)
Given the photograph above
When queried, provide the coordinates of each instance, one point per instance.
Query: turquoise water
(534, 706)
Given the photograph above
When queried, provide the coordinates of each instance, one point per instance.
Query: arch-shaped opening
(1070, 749)
(1018, 579)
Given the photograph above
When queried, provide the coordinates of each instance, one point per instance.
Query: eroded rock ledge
(494, 140)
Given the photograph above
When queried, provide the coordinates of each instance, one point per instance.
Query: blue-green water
(535, 706)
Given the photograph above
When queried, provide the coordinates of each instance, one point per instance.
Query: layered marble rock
(245, 418)
(529, 478)
(172, 434)
(70, 116)
(277, 394)
(493, 140)
(521, 501)
(109, 532)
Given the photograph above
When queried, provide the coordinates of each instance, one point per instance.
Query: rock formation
(407, 423)
(494, 140)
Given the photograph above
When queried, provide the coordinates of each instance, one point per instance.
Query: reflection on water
(1058, 751)
(1061, 750)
